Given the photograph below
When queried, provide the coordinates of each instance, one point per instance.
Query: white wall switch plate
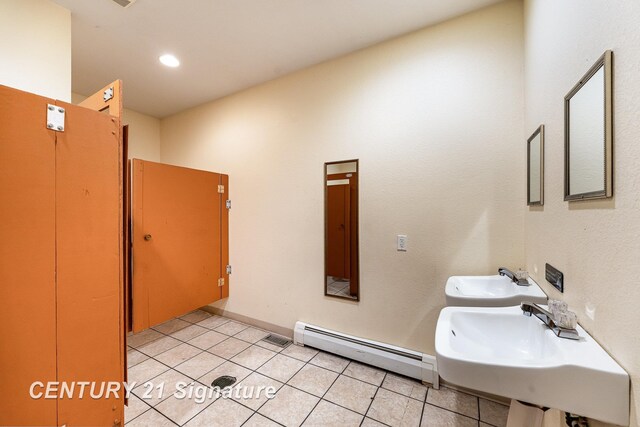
(402, 242)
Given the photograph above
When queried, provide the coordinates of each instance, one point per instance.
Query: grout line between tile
(324, 394)
(143, 412)
(170, 420)
(254, 412)
(450, 410)
(347, 375)
(422, 412)
(424, 402)
(374, 397)
(256, 371)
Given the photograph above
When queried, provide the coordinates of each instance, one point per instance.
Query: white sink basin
(490, 291)
(499, 350)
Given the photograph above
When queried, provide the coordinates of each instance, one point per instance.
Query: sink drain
(224, 381)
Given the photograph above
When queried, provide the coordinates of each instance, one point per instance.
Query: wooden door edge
(107, 98)
(224, 236)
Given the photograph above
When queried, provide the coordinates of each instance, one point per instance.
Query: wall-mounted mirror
(588, 134)
(341, 273)
(535, 168)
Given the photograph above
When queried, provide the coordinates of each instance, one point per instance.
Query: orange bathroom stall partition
(180, 239)
(89, 233)
(61, 261)
(27, 258)
(108, 99)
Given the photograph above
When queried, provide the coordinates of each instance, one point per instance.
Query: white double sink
(501, 351)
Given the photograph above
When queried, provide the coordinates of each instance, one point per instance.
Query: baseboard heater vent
(406, 362)
(277, 340)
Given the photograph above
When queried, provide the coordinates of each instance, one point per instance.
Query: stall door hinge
(220, 188)
(228, 269)
(55, 118)
(108, 94)
(228, 204)
(221, 282)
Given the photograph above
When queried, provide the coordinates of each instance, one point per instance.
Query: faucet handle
(557, 306)
(566, 319)
(521, 277)
(561, 328)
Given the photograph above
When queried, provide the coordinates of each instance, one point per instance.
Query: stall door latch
(228, 269)
(55, 118)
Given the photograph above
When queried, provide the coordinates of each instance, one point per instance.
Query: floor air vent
(224, 381)
(277, 340)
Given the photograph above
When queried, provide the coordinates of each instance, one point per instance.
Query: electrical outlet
(402, 242)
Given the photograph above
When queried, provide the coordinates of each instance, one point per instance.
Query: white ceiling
(228, 45)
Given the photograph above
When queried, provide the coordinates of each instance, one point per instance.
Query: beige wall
(144, 135)
(35, 52)
(436, 119)
(35, 56)
(144, 132)
(596, 244)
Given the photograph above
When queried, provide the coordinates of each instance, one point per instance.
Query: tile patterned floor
(338, 287)
(314, 388)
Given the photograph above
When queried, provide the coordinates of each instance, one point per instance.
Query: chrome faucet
(529, 308)
(503, 271)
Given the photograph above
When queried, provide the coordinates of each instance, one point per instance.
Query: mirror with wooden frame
(341, 254)
(535, 168)
(588, 134)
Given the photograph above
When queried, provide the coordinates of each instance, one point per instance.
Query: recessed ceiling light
(169, 61)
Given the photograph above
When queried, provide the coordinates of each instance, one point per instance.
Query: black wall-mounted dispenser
(554, 276)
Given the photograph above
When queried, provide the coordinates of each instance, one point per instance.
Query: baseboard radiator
(409, 363)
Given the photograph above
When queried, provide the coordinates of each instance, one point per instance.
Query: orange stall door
(60, 261)
(179, 241)
(27, 258)
(90, 318)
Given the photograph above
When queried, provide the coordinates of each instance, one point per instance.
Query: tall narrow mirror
(588, 132)
(341, 278)
(535, 168)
